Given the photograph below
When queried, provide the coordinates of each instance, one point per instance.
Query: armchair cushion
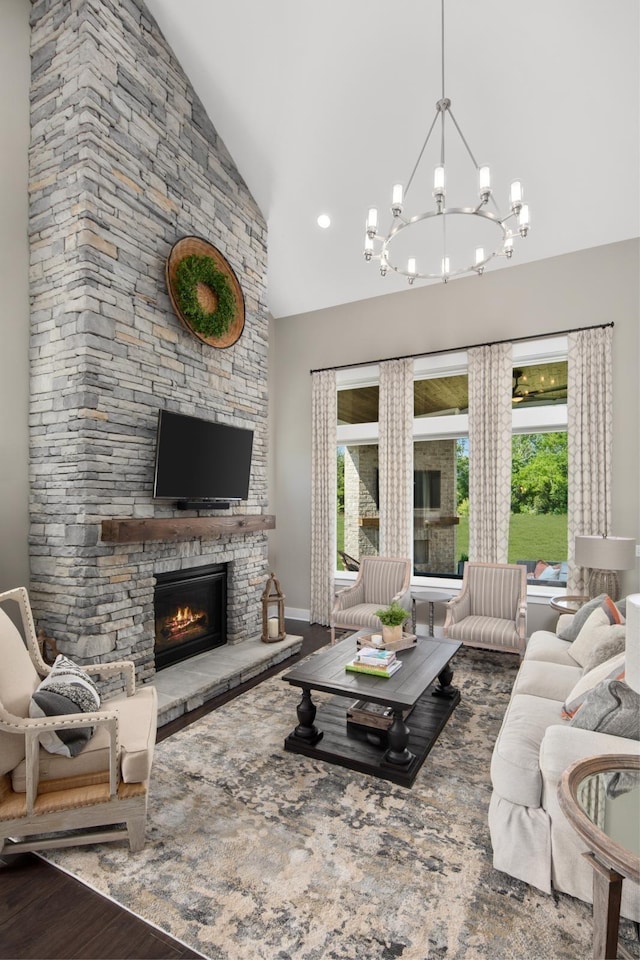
(18, 680)
(486, 630)
(67, 689)
(137, 717)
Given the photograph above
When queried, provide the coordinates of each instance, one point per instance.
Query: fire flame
(184, 615)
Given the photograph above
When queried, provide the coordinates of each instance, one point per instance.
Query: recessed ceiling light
(324, 221)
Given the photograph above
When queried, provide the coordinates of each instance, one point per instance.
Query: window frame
(535, 419)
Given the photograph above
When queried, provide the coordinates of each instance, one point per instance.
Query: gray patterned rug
(256, 853)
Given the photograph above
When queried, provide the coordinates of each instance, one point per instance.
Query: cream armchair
(104, 785)
(380, 580)
(491, 609)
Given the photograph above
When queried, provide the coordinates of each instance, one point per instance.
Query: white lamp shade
(605, 553)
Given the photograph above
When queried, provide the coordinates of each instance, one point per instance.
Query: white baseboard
(296, 613)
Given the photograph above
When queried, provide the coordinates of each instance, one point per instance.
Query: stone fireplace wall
(123, 162)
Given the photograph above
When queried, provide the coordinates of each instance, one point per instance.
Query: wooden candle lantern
(273, 612)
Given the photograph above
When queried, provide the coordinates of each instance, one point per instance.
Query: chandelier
(379, 247)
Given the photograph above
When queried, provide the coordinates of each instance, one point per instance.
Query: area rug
(256, 853)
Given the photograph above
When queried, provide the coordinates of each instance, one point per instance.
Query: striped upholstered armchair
(380, 580)
(491, 609)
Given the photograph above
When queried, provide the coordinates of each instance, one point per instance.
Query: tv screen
(201, 460)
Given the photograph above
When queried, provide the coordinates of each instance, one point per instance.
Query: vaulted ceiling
(324, 106)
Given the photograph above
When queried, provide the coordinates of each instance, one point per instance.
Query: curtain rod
(490, 343)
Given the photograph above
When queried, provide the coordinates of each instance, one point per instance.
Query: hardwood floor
(47, 915)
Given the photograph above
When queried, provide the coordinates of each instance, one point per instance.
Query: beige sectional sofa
(530, 835)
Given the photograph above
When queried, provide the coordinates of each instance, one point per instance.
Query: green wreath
(194, 270)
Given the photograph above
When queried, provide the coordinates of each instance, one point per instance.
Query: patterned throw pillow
(612, 669)
(67, 689)
(605, 623)
(611, 707)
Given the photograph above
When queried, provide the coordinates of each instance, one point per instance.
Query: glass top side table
(564, 604)
(600, 797)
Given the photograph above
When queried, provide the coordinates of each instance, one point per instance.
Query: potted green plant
(392, 618)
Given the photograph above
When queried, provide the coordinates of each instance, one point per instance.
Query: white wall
(14, 303)
(592, 286)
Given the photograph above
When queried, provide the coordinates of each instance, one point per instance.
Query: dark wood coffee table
(423, 686)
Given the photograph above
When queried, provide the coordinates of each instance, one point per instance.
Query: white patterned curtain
(395, 458)
(589, 419)
(490, 371)
(323, 494)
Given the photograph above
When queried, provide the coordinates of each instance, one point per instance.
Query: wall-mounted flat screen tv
(199, 460)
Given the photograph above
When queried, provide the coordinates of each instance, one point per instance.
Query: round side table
(427, 595)
(564, 604)
(600, 797)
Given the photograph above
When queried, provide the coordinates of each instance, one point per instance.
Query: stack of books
(378, 663)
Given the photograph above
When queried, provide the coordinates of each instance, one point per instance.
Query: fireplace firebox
(190, 612)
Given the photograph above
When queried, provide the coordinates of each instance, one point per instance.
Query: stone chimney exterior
(123, 162)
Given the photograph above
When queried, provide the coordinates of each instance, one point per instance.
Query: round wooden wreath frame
(186, 247)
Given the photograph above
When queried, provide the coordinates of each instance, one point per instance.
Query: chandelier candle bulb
(445, 266)
(523, 220)
(516, 196)
(396, 200)
(368, 247)
(479, 255)
(438, 182)
(411, 267)
(372, 221)
(484, 182)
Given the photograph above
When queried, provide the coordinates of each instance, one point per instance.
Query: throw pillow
(67, 689)
(597, 627)
(611, 707)
(612, 669)
(606, 648)
(571, 629)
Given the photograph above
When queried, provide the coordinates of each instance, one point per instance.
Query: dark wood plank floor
(47, 915)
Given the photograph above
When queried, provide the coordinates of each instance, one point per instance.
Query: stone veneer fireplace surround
(123, 161)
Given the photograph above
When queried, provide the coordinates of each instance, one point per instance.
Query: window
(358, 502)
(538, 526)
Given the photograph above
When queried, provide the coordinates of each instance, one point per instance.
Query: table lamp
(604, 556)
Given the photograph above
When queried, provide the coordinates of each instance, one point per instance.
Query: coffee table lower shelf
(349, 745)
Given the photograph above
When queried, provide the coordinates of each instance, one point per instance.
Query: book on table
(354, 666)
(374, 658)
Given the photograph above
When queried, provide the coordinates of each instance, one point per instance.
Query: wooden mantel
(183, 528)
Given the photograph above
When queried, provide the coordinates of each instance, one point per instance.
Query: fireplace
(190, 612)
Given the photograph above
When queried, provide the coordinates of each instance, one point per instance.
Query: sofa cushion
(558, 751)
(554, 681)
(611, 707)
(605, 623)
(612, 669)
(488, 631)
(548, 648)
(67, 689)
(137, 722)
(515, 768)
